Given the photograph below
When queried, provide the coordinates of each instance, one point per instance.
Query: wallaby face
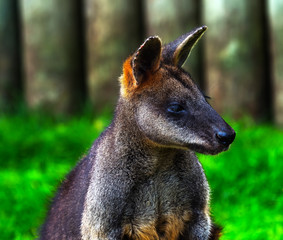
(169, 108)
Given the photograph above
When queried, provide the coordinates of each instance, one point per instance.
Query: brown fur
(140, 231)
(215, 233)
(128, 85)
(169, 227)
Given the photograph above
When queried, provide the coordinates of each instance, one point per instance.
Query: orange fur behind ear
(127, 80)
(129, 84)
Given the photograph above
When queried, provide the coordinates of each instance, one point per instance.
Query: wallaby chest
(162, 205)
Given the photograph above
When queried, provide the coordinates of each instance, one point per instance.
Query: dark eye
(176, 108)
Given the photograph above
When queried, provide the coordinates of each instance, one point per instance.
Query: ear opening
(146, 59)
(179, 50)
(137, 68)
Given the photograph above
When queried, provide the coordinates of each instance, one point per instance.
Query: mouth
(220, 143)
(208, 149)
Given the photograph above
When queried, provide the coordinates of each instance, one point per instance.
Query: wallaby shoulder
(64, 217)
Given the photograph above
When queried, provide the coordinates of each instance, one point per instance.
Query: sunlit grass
(37, 151)
(247, 184)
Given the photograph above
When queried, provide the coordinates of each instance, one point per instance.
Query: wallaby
(141, 178)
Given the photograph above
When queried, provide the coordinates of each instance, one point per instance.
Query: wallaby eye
(176, 108)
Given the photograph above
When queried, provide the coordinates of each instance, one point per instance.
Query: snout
(225, 137)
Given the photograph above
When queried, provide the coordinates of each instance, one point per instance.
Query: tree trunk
(53, 54)
(276, 24)
(171, 19)
(237, 57)
(113, 32)
(10, 84)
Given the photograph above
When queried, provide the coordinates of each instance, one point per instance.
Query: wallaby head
(168, 107)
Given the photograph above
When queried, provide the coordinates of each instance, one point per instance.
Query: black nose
(225, 138)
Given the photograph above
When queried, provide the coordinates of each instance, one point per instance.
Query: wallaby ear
(146, 59)
(178, 51)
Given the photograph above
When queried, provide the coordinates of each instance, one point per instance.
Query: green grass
(247, 184)
(36, 151)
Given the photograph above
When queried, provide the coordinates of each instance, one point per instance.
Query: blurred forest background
(59, 66)
(58, 55)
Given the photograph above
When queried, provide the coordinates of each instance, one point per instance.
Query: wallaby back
(141, 178)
